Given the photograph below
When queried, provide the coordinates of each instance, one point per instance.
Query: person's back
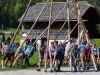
(13, 47)
(81, 47)
(60, 52)
(61, 49)
(6, 53)
(27, 49)
(6, 48)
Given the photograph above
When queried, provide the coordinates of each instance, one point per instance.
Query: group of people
(16, 56)
(55, 53)
(81, 55)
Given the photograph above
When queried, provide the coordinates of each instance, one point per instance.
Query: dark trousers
(60, 58)
(27, 60)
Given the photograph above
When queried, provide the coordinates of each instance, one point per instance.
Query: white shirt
(0, 38)
(95, 51)
(68, 46)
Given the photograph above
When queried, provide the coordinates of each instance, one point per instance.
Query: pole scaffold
(51, 24)
(35, 22)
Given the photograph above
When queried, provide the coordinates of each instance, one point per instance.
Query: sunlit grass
(97, 41)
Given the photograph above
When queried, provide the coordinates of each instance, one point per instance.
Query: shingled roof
(34, 11)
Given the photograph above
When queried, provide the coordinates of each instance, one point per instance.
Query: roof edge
(60, 2)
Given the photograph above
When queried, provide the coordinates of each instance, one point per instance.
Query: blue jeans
(27, 59)
(74, 65)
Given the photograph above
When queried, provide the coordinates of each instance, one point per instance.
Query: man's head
(94, 45)
(56, 42)
(52, 44)
(74, 46)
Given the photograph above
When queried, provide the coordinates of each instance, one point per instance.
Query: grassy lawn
(34, 58)
(97, 41)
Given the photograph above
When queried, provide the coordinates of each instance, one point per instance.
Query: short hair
(56, 42)
(41, 45)
(52, 42)
(17, 44)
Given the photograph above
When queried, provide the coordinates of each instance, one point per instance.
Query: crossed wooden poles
(80, 25)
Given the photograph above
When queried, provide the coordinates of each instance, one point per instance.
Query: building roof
(34, 11)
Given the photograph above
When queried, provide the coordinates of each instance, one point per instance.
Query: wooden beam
(82, 26)
(20, 22)
(63, 25)
(71, 32)
(51, 24)
(35, 22)
(77, 12)
(48, 36)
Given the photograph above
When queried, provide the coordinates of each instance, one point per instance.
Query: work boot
(38, 70)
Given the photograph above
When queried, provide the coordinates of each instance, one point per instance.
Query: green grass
(7, 29)
(97, 41)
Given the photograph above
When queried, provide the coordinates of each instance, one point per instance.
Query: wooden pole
(82, 26)
(48, 26)
(69, 34)
(35, 21)
(20, 22)
(77, 12)
(74, 28)
(48, 36)
(62, 26)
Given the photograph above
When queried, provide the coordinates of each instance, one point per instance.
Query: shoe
(58, 71)
(51, 71)
(98, 68)
(3, 67)
(83, 69)
(54, 69)
(38, 70)
(80, 70)
(75, 70)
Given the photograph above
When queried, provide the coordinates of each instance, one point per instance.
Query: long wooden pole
(48, 36)
(82, 26)
(71, 32)
(35, 22)
(63, 26)
(74, 28)
(20, 22)
(48, 26)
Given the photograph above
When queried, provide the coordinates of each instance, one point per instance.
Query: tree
(17, 10)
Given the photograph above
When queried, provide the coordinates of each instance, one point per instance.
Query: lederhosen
(42, 54)
(96, 56)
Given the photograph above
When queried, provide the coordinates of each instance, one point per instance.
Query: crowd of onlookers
(81, 55)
